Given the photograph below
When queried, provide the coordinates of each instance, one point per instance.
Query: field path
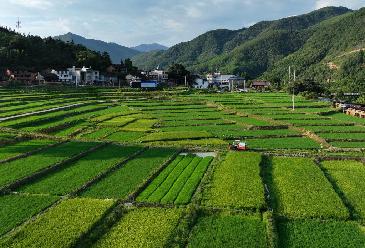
(39, 112)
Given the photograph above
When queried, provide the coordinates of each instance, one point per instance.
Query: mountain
(34, 53)
(252, 51)
(144, 48)
(115, 51)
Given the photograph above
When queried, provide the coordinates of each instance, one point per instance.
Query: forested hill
(34, 53)
(250, 51)
(116, 51)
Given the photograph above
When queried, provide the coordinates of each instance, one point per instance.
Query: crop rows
(18, 148)
(177, 183)
(236, 183)
(349, 177)
(75, 175)
(122, 182)
(302, 190)
(18, 169)
(60, 226)
(224, 230)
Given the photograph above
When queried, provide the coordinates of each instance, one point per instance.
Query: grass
(349, 177)
(223, 230)
(75, 175)
(61, 226)
(236, 183)
(15, 209)
(144, 227)
(16, 149)
(21, 168)
(315, 233)
(124, 181)
(302, 190)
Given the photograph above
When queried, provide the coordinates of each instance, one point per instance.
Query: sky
(134, 22)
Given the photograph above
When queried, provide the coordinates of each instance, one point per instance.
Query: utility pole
(18, 24)
(295, 78)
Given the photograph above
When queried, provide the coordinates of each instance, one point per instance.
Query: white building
(225, 81)
(157, 75)
(201, 83)
(78, 76)
(63, 76)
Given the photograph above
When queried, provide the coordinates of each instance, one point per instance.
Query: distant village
(153, 79)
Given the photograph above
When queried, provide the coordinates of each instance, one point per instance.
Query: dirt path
(39, 112)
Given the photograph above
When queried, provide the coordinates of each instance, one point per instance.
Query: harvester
(238, 145)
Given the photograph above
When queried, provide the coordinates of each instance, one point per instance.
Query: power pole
(295, 77)
(18, 24)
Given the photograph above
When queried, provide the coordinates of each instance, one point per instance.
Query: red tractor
(238, 145)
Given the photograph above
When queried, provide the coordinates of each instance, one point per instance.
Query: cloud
(352, 4)
(130, 22)
(38, 4)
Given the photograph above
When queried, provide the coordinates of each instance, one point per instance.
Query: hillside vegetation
(312, 43)
(32, 52)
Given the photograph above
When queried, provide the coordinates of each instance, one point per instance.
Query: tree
(306, 86)
(177, 73)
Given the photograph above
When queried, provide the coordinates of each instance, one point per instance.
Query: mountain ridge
(116, 52)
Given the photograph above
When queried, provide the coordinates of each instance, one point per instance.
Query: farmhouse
(78, 76)
(357, 112)
(22, 75)
(260, 85)
(225, 81)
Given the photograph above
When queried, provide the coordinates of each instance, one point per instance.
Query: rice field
(108, 168)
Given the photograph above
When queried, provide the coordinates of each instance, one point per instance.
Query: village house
(222, 81)
(78, 76)
(22, 75)
(260, 85)
(157, 75)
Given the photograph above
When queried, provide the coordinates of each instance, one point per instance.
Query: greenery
(60, 226)
(236, 183)
(75, 175)
(348, 176)
(13, 150)
(32, 52)
(18, 169)
(302, 190)
(15, 209)
(125, 180)
(314, 233)
(223, 230)
(145, 227)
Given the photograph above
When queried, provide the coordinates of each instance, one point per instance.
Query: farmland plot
(145, 227)
(21, 168)
(349, 176)
(15, 209)
(302, 191)
(125, 180)
(16, 149)
(124, 136)
(236, 183)
(223, 230)
(283, 143)
(179, 135)
(60, 226)
(315, 233)
(75, 175)
(177, 182)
